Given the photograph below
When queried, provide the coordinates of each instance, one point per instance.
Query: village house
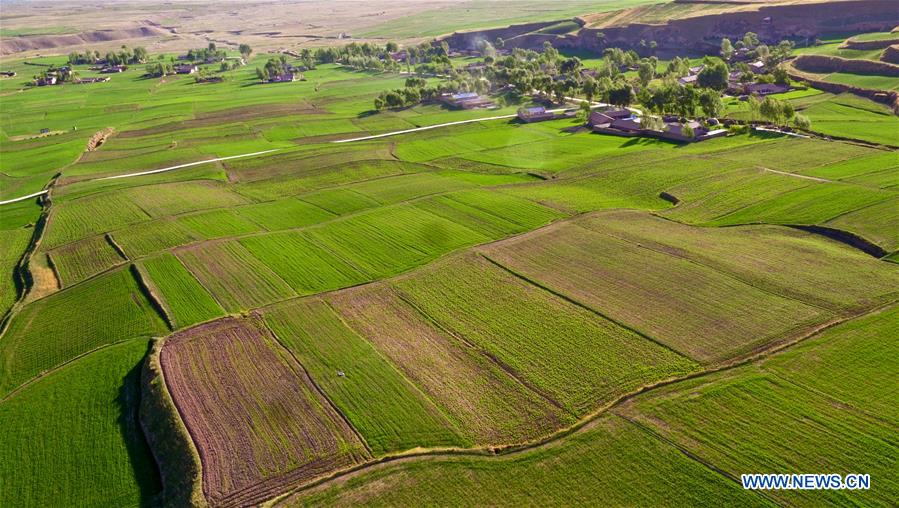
(49, 79)
(186, 69)
(84, 81)
(287, 77)
(466, 100)
(112, 69)
(535, 114)
(765, 88)
(757, 67)
(613, 122)
(607, 116)
(688, 80)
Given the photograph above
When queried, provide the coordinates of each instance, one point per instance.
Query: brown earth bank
(11, 45)
(891, 99)
(852, 43)
(258, 422)
(703, 34)
(891, 54)
(824, 63)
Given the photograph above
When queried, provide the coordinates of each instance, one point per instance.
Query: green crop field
(307, 267)
(482, 400)
(692, 308)
(79, 260)
(578, 359)
(236, 279)
(83, 434)
(388, 410)
(107, 309)
(186, 301)
(484, 311)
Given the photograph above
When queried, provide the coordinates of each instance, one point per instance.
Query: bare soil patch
(256, 418)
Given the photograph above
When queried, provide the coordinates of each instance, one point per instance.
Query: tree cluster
(207, 54)
(124, 56)
(273, 68)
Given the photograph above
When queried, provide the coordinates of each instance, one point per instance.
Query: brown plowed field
(257, 420)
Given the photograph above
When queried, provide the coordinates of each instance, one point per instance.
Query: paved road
(23, 198)
(189, 164)
(428, 127)
(150, 172)
(794, 175)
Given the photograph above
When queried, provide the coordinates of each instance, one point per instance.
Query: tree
(652, 122)
(584, 110)
(750, 40)
(776, 111)
(391, 47)
(393, 100)
(687, 131)
(245, 51)
(727, 49)
(262, 74)
(500, 43)
(570, 65)
(590, 87)
(414, 82)
(763, 52)
(646, 71)
(714, 75)
(780, 76)
(801, 122)
(621, 94)
(711, 104)
(140, 55)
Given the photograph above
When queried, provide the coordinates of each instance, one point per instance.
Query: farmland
(279, 428)
(495, 312)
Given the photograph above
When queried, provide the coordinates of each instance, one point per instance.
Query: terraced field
(497, 312)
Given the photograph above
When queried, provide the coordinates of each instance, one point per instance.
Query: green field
(186, 301)
(91, 449)
(389, 411)
(578, 359)
(690, 307)
(102, 311)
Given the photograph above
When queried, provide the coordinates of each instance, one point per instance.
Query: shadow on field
(146, 473)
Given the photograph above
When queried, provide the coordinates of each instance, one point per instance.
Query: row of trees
(124, 56)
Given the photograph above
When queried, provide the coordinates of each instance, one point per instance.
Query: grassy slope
(773, 417)
(73, 437)
(614, 461)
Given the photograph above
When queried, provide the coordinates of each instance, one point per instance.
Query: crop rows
(387, 409)
(79, 260)
(255, 417)
(693, 309)
(108, 309)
